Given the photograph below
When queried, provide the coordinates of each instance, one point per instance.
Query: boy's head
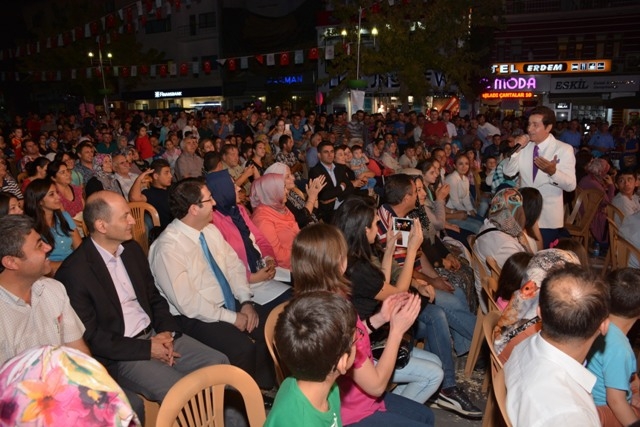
(490, 163)
(626, 182)
(624, 288)
(356, 150)
(315, 334)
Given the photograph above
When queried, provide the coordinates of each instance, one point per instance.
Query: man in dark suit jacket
(128, 325)
(338, 184)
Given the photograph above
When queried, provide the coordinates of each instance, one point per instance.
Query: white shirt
(550, 187)
(628, 206)
(126, 182)
(48, 320)
(184, 277)
(496, 244)
(546, 387)
(135, 318)
(630, 230)
(459, 196)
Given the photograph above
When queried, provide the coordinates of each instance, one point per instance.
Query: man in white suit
(547, 164)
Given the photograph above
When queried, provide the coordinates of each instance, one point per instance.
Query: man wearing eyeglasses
(206, 284)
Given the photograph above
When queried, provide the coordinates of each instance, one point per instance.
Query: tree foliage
(415, 36)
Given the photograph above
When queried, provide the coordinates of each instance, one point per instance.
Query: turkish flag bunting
(97, 72)
(284, 59)
(206, 66)
(125, 72)
(66, 38)
(375, 8)
(94, 28)
(144, 70)
(313, 53)
(79, 33)
(177, 5)
(184, 69)
(260, 59)
(143, 20)
(231, 63)
(163, 70)
(158, 13)
(129, 14)
(110, 21)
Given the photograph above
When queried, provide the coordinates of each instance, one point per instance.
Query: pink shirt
(355, 403)
(280, 228)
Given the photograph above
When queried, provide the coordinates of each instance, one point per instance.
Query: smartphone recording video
(403, 225)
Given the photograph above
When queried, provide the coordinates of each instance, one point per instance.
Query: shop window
(207, 20)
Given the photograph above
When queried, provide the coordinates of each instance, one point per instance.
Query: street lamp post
(101, 63)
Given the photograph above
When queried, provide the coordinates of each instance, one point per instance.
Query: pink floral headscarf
(268, 190)
(61, 387)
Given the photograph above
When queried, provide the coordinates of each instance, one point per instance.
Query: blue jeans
(461, 320)
(400, 412)
(470, 224)
(432, 326)
(420, 378)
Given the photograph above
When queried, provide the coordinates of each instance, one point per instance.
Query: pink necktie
(535, 168)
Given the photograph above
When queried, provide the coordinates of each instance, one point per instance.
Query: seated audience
(612, 359)
(103, 177)
(511, 278)
(598, 178)
(303, 206)
(520, 319)
(36, 169)
(23, 265)
(188, 164)
(206, 284)
(630, 230)
(157, 193)
(9, 184)
(316, 337)
(319, 260)
(375, 276)
(626, 200)
(235, 225)
(129, 327)
(123, 175)
(460, 200)
(57, 228)
(70, 194)
(547, 383)
(9, 205)
(272, 217)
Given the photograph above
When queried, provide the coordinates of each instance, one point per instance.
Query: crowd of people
(260, 208)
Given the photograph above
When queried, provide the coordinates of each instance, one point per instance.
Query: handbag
(379, 341)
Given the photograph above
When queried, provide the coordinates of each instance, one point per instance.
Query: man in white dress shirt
(547, 164)
(547, 383)
(208, 292)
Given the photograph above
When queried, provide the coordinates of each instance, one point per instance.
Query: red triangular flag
(284, 59)
(260, 59)
(313, 53)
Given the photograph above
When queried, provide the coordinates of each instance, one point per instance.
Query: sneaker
(457, 400)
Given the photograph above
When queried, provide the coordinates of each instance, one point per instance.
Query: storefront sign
(284, 80)
(554, 67)
(507, 95)
(538, 83)
(160, 94)
(595, 84)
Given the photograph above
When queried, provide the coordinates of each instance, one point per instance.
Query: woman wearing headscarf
(502, 234)
(238, 230)
(103, 178)
(301, 206)
(598, 178)
(519, 319)
(271, 216)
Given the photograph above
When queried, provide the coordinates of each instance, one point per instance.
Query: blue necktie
(535, 154)
(229, 300)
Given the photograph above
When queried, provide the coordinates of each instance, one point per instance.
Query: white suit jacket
(550, 187)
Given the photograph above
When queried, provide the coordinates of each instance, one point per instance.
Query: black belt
(145, 331)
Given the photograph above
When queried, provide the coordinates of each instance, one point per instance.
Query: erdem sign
(514, 83)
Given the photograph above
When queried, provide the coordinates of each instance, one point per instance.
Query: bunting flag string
(170, 69)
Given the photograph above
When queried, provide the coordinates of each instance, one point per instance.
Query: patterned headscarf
(507, 213)
(107, 179)
(520, 313)
(61, 387)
